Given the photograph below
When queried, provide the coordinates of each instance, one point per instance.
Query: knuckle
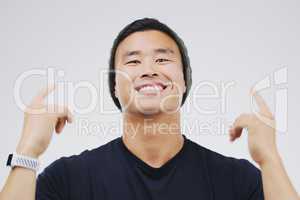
(252, 117)
(244, 115)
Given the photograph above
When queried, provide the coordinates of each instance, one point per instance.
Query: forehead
(147, 42)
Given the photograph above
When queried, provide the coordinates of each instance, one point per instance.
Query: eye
(134, 62)
(162, 60)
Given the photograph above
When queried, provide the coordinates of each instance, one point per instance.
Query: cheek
(124, 84)
(176, 76)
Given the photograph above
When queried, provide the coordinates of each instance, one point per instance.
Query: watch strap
(17, 160)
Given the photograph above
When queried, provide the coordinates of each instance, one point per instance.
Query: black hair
(144, 25)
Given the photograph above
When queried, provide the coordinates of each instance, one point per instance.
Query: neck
(153, 138)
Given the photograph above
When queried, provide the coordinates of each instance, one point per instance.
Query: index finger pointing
(46, 91)
(38, 99)
(262, 105)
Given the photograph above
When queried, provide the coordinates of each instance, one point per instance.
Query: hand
(39, 123)
(261, 132)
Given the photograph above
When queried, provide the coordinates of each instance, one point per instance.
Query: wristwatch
(17, 160)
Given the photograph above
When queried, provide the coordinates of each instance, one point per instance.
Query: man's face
(149, 76)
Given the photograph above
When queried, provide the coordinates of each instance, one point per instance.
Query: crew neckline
(155, 172)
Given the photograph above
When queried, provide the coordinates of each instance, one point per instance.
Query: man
(149, 81)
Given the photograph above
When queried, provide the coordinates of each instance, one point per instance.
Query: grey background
(240, 41)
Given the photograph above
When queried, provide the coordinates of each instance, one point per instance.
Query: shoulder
(72, 173)
(82, 161)
(234, 174)
(223, 163)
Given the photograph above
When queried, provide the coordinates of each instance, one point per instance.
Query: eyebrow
(156, 51)
(164, 50)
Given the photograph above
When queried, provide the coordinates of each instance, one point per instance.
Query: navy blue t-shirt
(113, 172)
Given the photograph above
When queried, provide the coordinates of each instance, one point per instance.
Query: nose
(150, 74)
(148, 71)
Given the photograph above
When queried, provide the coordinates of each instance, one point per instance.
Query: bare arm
(276, 182)
(20, 184)
(39, 123)
(262, 146)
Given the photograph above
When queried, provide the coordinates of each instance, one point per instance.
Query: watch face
(9, 160)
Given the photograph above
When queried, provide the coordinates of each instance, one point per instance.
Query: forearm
(20, 184)
(276, 183)
(36, 136)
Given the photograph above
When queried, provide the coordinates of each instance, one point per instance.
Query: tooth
(150, 88)
(157, 88)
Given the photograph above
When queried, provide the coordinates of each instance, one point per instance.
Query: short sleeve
(248, 181)
(52, 182)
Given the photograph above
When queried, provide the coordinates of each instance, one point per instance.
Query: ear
(116, 92)
(184, 89)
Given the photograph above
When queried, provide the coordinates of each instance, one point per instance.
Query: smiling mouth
(151, 88)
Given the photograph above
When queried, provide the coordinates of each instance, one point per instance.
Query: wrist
(21, 161)
(272, 160)
(26, 152)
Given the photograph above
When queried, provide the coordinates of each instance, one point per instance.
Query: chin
(148, 109)
(149, 112)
